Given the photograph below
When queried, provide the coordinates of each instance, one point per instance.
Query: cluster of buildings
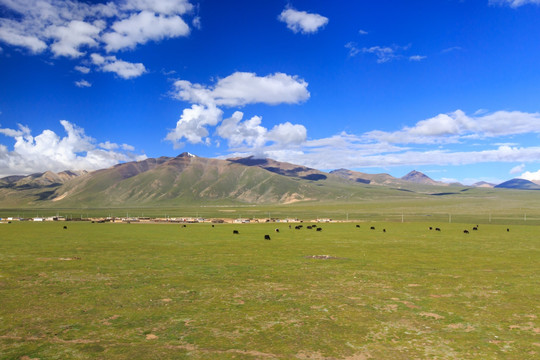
(142, 219)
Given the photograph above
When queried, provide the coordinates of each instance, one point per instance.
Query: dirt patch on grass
(59, 259)
(460, 326)
(151, 337)
(324, 257)
(437, 296)
(431, 315)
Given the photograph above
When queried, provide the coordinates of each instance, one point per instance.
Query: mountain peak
(419, 178)
(186, 154)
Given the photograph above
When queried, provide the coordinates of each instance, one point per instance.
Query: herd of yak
(298, 227)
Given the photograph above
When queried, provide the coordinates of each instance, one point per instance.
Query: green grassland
(375, 203)
(163, 291)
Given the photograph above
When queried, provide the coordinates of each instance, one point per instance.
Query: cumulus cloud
(238, 132)
(50, 151)
(68, 39)
(68, 28)
(237, 90)
(531, 176)
(243, 88)
(302, 21)
(124, 69)
(192, 124)
(143, 27)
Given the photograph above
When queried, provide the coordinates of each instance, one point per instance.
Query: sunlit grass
(131, 291)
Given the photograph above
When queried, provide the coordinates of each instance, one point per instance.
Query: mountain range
(188, 179)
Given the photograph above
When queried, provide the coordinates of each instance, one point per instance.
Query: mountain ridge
(187, 178)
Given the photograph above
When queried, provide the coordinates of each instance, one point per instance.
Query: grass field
(134, 291)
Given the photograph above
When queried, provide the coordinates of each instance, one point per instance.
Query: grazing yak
(357, 226)
(266, 237)
(437, 229)
(372, 228)
(65, 227)
(235, 231)
(465, 231)
(319, 229)
(276, 230)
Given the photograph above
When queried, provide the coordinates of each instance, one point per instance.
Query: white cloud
(82, 69)
(451, 49)
(192, 124)
(14, 34)
(166, 7)
(514, 3)
(82, 83)
(143, 27)
(68, 39)
(362, 32)
(302, 21)
(67, 28)
(238, 132)
(531, 176)
(517, 169)
(451, 127)
(417, 57)
(383, 53)
(124, 69)
(353, 48)
(236, 90)
(287, 134)
(242, 88)
(49, 151)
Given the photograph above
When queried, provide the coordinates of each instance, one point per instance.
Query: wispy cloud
(417, 57)
(451, 49)
(383, 54)
(411, 146)
(82, 83)
(514, 3)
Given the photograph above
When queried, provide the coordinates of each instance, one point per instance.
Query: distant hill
(483, 184)
(420, 178)
(520, 184)
(363, 178)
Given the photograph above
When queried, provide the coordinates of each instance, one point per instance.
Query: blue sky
(449, 87)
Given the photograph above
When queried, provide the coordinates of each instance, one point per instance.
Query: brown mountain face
(38, 180)
(373, 179)
(282, 168)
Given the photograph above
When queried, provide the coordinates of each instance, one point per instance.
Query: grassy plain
(148, 291)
